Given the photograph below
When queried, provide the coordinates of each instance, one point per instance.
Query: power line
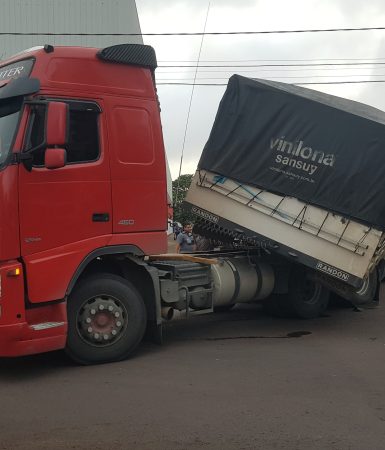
(205, 33)
(259, 60)
(275, 65)
(285, 70)
(275, 77)
(189, 108)
(299, 84)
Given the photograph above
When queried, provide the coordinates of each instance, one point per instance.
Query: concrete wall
(66, 16)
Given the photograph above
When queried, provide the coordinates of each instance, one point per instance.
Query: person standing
(177, 230)
(185, 240)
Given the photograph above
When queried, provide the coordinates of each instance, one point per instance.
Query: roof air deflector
(131, 54)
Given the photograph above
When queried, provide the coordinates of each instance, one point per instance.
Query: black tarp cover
(321, 149)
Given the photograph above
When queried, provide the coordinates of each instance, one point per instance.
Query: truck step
(46, 325)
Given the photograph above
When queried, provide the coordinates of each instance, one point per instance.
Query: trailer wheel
(306, 299)
(223, 308)
(366, 293)
(106, 320)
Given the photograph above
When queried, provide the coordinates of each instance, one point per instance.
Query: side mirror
(57, 124)
(55, 158)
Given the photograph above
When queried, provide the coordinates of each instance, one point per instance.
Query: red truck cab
(82, 190)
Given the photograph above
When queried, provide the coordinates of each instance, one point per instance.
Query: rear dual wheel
(366, 293)
(305, 299)
(106, 320)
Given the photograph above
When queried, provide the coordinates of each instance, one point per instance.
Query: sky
(174, 16)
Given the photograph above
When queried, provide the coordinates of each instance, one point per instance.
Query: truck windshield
(8, 124)
(14, 87)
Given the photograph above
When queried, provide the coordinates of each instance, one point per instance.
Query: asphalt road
(235, 380)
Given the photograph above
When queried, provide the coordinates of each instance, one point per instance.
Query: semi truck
(83, 201)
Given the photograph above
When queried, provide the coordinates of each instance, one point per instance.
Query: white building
(33, 18)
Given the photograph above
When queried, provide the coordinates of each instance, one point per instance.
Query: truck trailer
(83, 201)
(301, 173)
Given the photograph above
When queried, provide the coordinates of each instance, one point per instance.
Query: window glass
(7, 130)
(83, 144)
(83, 141)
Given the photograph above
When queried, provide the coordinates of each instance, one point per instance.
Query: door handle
(100, 217)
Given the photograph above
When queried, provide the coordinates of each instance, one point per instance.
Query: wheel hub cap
(102, 320)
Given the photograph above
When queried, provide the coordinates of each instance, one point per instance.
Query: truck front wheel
(106, 320)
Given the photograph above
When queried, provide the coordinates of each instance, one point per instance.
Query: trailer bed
(330, 243)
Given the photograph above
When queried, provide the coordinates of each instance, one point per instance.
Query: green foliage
(179, 190)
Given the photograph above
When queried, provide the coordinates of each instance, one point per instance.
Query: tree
(179, 190)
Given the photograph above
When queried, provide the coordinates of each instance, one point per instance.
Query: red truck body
(109, 199)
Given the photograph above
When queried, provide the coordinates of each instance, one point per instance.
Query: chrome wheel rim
(102, 320)
(364, 287)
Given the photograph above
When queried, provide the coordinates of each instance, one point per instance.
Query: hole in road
(297, 334)
(293, 334)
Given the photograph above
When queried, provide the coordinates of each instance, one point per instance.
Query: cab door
(71, 204)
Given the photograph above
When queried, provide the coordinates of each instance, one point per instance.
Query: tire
(223, 308)
(367, 292)
(306, 299)
(106, 320)
(365, 296)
